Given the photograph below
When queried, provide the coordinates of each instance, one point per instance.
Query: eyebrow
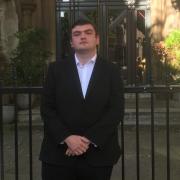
(87, 30)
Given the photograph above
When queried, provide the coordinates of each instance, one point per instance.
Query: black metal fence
(134, 101)
(14, 91)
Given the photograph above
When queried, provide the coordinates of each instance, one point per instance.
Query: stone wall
(39, 13)
(165, 16)
(49, 22)
(8, 24)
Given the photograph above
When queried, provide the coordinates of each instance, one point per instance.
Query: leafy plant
(7, 75)
(168, 54)
(29, 57)
(172, 44)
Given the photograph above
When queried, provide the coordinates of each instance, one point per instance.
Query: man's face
(84, 38)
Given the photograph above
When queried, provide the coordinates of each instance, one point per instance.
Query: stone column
(2, 55)
(1, 19)
(49, 23)
(27, 11)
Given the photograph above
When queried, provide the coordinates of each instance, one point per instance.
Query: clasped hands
(77, 145)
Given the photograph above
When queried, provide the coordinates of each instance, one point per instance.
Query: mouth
(83, 42)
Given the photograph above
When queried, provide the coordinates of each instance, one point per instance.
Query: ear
(97, 39)
(71, 44)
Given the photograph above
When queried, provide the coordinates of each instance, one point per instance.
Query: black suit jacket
(65, 112)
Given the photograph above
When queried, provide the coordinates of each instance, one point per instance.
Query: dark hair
(81, 22)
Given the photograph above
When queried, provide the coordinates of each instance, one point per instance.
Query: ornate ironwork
(131, 4)
(148, 5)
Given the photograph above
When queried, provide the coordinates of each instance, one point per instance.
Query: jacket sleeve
(53, 126)
(107, 125)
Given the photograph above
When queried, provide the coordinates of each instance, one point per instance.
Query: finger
(78, 153)
(81, 150)
(72, 153)
(67, 152)
(84, 146)
(84, 139)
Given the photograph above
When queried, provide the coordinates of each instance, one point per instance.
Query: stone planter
(23, 101)
(176, 97)
(8, 113)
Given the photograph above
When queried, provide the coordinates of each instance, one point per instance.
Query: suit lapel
(74, 77)
(94, 77)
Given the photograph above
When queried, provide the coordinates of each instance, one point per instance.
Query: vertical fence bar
(99, 22)
(167, 135)
(58, 31)
(30, 138)
(1, 138)
(74, 11)
(16, 139)
(137, 136)
(122, 146)
(152, 137)
(106, 10)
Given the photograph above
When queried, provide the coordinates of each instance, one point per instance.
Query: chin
(83, 50)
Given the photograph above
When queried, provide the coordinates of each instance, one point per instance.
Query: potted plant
(8, 109)
(29, 59)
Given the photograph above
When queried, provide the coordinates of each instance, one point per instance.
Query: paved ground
(130, 153)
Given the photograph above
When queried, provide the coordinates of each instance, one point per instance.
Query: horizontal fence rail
(134, 97)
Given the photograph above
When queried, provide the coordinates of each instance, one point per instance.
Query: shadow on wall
(158, 26)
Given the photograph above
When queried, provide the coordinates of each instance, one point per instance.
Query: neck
(85, 57)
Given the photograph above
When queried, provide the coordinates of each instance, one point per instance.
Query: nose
(83, 35)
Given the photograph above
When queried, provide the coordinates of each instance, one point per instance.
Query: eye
(89, 32)
(76, 34)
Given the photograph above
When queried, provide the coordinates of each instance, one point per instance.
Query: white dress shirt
(85, 72)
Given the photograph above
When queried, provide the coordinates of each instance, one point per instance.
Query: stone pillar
(1, 17)
(9, 26)
(49, 24)
(2, 55)
(27, 11)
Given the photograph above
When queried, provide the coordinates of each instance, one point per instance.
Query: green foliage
(168, 56)
(29, 57)
(173, 39)
(172, 43)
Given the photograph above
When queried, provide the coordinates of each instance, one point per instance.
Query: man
(82, 106)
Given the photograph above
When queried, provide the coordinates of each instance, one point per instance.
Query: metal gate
(123, 26)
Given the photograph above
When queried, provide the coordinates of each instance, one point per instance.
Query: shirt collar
(92, 60)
